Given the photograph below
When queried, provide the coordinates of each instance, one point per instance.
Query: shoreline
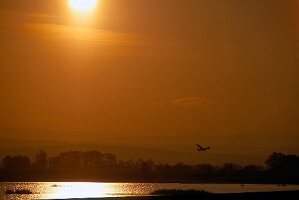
(212, 196)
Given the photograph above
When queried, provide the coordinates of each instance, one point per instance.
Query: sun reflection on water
(80, 190)
(83, 190)
(69, 190)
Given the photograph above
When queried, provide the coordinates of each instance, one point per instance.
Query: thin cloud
(105, 41)
(194, 102)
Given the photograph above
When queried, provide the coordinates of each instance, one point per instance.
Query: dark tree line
(283, 163)
(95, 165)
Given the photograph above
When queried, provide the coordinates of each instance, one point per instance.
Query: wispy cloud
(195, 102)
(54, 28)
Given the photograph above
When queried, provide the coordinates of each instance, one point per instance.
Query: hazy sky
(151, 72)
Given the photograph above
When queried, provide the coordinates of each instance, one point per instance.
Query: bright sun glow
(83, 6)
(80, 190)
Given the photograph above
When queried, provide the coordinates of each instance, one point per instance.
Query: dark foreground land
(289, 195)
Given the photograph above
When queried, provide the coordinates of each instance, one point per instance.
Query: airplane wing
(198, 146)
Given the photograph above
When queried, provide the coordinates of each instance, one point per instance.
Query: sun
(83, 6)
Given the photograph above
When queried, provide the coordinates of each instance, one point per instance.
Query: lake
(65, 190)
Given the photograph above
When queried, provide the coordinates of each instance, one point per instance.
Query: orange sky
(171, 72)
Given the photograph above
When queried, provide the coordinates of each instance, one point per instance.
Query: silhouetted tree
(94, 164)
(145, 167)
(252, 168)
(16, 162)
(66, 160)
(83, 160)
(130, 164)
(93, 159)
(230, 169)
(275, 160)
(41, 160)
(205, 170)
(181, 170)
(282, 162)
(110, 160)
(231, 166)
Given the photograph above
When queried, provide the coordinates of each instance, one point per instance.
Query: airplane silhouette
(200, 148)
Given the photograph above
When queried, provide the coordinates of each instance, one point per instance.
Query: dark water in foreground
(65, 190)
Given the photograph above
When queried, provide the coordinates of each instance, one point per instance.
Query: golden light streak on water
(72, 190)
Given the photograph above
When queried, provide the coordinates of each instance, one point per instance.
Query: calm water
(63, 190)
